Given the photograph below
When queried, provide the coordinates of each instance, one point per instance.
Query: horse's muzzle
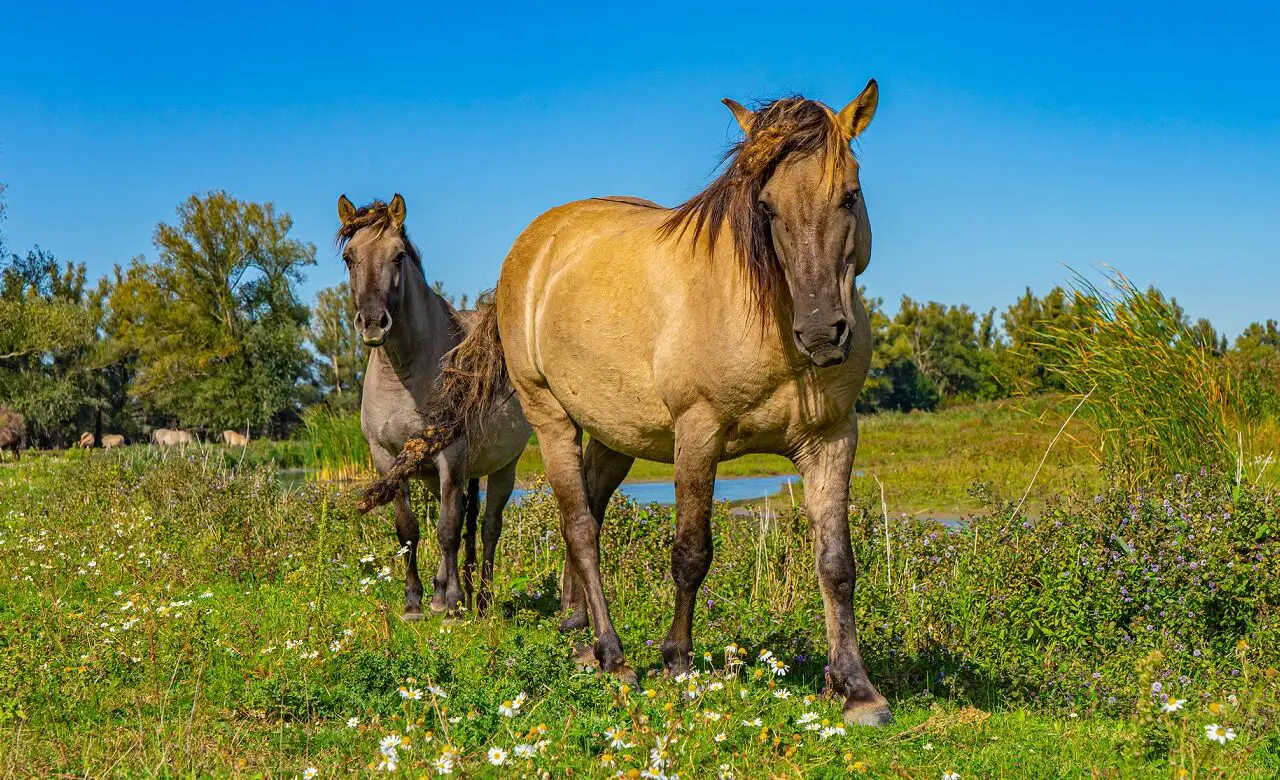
(825, 346)
(374, 334)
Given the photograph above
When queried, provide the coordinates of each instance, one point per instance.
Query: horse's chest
(782, 417)
(389, 415)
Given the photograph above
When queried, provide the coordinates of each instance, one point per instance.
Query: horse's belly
(504, 437)
(626, 414)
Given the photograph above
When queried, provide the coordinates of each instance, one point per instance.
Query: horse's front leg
(407, 533)
(698, 446)
(825, 467)
(448, 596)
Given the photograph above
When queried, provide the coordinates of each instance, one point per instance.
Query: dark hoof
(624, 673)
(868, 713)
(574, 622)
(584, 655)
(676, 660)
(446, 603)
(412, 614)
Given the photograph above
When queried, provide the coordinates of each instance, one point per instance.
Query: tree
(340, 352)
(438, 287)
(214, 323)
(3, 251)
(47, 338)
(945, 344)
(1259, 341)
(1205, 336)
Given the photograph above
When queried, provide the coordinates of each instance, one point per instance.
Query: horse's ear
(855, 117)
(346, 209)
(745, 116)
(397, 212)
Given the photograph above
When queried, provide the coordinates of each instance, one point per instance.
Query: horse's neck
(422, 331)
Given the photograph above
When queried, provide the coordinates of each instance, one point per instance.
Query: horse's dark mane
(375, 215)
(780, 128)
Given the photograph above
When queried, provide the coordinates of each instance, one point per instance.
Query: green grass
(181, 618)
(942, 463)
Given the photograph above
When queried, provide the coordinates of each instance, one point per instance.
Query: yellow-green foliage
(1159, 400)
(338, 449)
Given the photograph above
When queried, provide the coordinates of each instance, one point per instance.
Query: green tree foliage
(927, 353)
(1261, 340)
(340, 354)
(48, 335)
(460, 303)
(214, 324)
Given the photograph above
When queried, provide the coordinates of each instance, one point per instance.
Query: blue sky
(1011, 138)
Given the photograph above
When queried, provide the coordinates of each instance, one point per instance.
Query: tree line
(212, 335)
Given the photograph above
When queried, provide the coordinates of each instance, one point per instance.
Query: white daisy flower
(1219, 734)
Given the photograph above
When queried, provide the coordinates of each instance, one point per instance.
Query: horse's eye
(766, 209)
(346, 259)
(400, 258)
(850, 199)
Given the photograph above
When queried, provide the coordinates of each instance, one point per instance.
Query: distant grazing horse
(13, 433)
(169, 437)
(233, 439)
(726, 326)
(86, 441)
(112, 440)
(410, 328)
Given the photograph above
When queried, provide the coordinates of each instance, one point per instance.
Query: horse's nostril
(842, 328)
(384, 321)
(360, 320)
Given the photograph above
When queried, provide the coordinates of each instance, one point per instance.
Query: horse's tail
(473, 379)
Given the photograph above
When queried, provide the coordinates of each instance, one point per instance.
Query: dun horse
(410, 329)
(13, 432)
(171, 437)
(728, 325)
(234, 439)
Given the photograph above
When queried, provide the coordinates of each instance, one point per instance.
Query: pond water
(730, 489)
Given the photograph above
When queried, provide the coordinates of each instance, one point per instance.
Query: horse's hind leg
(561, 442)
(469, 537)
(497, 492)
(825, 469)
(603, 469)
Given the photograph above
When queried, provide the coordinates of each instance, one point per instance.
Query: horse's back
(585, 308)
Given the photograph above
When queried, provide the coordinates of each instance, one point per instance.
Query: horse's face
(822, 237)
(375, 257)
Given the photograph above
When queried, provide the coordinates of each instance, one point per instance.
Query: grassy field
(930, 464)
(186, 617)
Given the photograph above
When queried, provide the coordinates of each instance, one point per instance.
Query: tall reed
(1160, 401)
(336, 444)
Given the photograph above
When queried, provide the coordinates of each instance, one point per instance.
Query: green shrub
(1160, 399)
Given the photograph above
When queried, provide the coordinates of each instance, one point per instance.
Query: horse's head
(807, 210)
(375, 249)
